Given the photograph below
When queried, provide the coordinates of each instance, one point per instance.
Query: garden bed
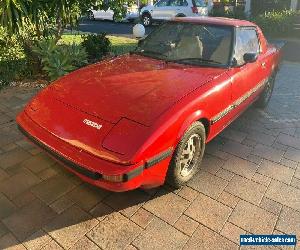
(14, 69)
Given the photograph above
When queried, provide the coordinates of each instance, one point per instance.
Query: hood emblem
(92, 124)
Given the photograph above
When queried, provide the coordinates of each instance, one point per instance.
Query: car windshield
(189, 43)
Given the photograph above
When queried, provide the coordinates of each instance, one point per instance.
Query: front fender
(193, 117)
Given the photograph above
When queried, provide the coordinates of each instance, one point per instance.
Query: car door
(161, 10)
(109, 14)
(247, 78)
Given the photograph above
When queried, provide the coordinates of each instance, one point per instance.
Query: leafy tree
(13, 14)
(42, 14)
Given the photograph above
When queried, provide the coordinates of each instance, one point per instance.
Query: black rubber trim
(158, 158)
(79, 169)
(133, 173)
(94, 175)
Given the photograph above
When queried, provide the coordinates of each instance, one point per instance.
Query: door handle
(263, 65)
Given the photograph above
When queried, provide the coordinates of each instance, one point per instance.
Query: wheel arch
(146, 12)
(199, 116)
(206, 124)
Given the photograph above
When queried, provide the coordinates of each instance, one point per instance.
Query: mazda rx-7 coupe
(144, 118)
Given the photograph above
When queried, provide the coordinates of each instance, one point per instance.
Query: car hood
(138, 88)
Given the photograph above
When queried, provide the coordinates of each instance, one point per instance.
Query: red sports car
(144, 118)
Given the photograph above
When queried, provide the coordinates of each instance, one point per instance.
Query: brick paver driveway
(249, 183)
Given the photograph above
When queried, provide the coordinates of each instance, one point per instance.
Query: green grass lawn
(120, 45)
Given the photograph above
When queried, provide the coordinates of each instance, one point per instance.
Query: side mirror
(139, 31)
(250, 57)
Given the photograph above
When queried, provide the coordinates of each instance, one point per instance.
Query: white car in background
(168, 9)
(131, 15)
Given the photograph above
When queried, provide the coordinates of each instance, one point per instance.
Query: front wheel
(266, 95)
(146, 19)
(188, 155)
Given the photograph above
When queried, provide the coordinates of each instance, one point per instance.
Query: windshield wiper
(195, 59)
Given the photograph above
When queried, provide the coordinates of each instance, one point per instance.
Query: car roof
(215, 21)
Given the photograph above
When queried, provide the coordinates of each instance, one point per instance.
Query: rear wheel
(188, 155)
(91, 16)
(266, 95)
(146, 19)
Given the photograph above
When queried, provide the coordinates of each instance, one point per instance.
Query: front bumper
(92, 169)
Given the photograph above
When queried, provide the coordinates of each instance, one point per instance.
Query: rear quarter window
(199, 3)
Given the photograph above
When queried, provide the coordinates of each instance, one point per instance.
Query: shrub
(277, 23)
(221, 11)
(13, 64)
(260, 7)
(58, 60)
(96, 46)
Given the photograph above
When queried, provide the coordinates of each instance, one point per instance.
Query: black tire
(91, 16)
(180, 15)
(175, 176)
(266, 95)
(146, 19)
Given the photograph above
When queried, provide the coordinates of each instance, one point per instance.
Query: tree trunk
(60, 29)
(59, 26)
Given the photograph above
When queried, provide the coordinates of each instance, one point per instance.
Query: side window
(246, 42)
(183, 3)
(162, 3)
(174, 3)
(199, 3)
(178, 3)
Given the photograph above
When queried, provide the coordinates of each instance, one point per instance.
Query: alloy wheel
(146, 20)
(189, 155)
(91, 16)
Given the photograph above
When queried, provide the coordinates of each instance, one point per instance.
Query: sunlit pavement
(249, 183)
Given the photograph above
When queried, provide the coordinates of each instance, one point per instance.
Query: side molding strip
(238, 102)
(156, 159)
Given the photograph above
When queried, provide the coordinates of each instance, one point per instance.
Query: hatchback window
(162, 3)
(199, 3)
(189, 43)
(246, 42)
(178, 3)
